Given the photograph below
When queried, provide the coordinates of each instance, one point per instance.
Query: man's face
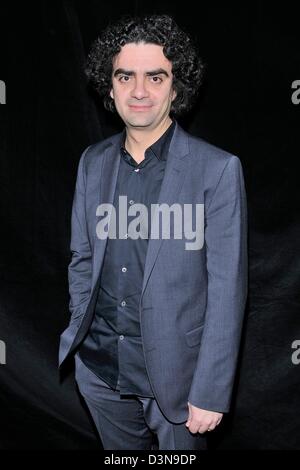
(142, 85)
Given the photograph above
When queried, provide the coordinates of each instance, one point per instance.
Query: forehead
(141, 56)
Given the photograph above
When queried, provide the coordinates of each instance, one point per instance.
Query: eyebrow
(151, 73)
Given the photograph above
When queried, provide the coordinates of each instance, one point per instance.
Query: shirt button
(123, 303)
(121, 337)
(137, 169)
(124, 269)
(131, 201)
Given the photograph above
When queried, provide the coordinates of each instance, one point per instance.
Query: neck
(138, 140)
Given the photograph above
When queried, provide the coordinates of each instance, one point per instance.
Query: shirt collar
(159, 148)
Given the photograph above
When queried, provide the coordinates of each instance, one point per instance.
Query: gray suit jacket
(192, 302)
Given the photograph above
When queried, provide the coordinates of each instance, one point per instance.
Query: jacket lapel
(108, 182)
(169, 192)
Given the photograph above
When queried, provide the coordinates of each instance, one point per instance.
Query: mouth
(139, 108)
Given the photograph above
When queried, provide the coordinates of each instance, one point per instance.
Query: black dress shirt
(113, 347)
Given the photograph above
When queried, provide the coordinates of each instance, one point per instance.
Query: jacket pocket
(193, 337)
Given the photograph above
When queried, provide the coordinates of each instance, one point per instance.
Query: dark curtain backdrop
(245, 107)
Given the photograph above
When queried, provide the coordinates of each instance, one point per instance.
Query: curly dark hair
(178, 47)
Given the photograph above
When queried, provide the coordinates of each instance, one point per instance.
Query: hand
(202, 420)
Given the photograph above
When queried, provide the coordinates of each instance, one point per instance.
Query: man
(156, 320)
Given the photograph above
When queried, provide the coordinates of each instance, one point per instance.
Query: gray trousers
(131, 422)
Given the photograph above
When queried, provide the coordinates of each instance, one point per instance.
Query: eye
(156, 79)
(124, 78)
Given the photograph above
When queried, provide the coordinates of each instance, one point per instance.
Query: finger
(189, 416)
(202, 430)
(193, 429)
(205, 428)
(210, 428)
(193, 426)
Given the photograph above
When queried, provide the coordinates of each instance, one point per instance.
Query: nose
(139, 90)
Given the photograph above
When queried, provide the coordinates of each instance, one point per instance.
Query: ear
(174, 94)
(111, 93)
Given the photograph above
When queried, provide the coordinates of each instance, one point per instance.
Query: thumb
(189, 417)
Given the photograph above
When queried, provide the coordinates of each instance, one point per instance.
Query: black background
(252, 53)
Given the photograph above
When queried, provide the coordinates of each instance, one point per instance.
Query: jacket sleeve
(227, 271)
(80, 267)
